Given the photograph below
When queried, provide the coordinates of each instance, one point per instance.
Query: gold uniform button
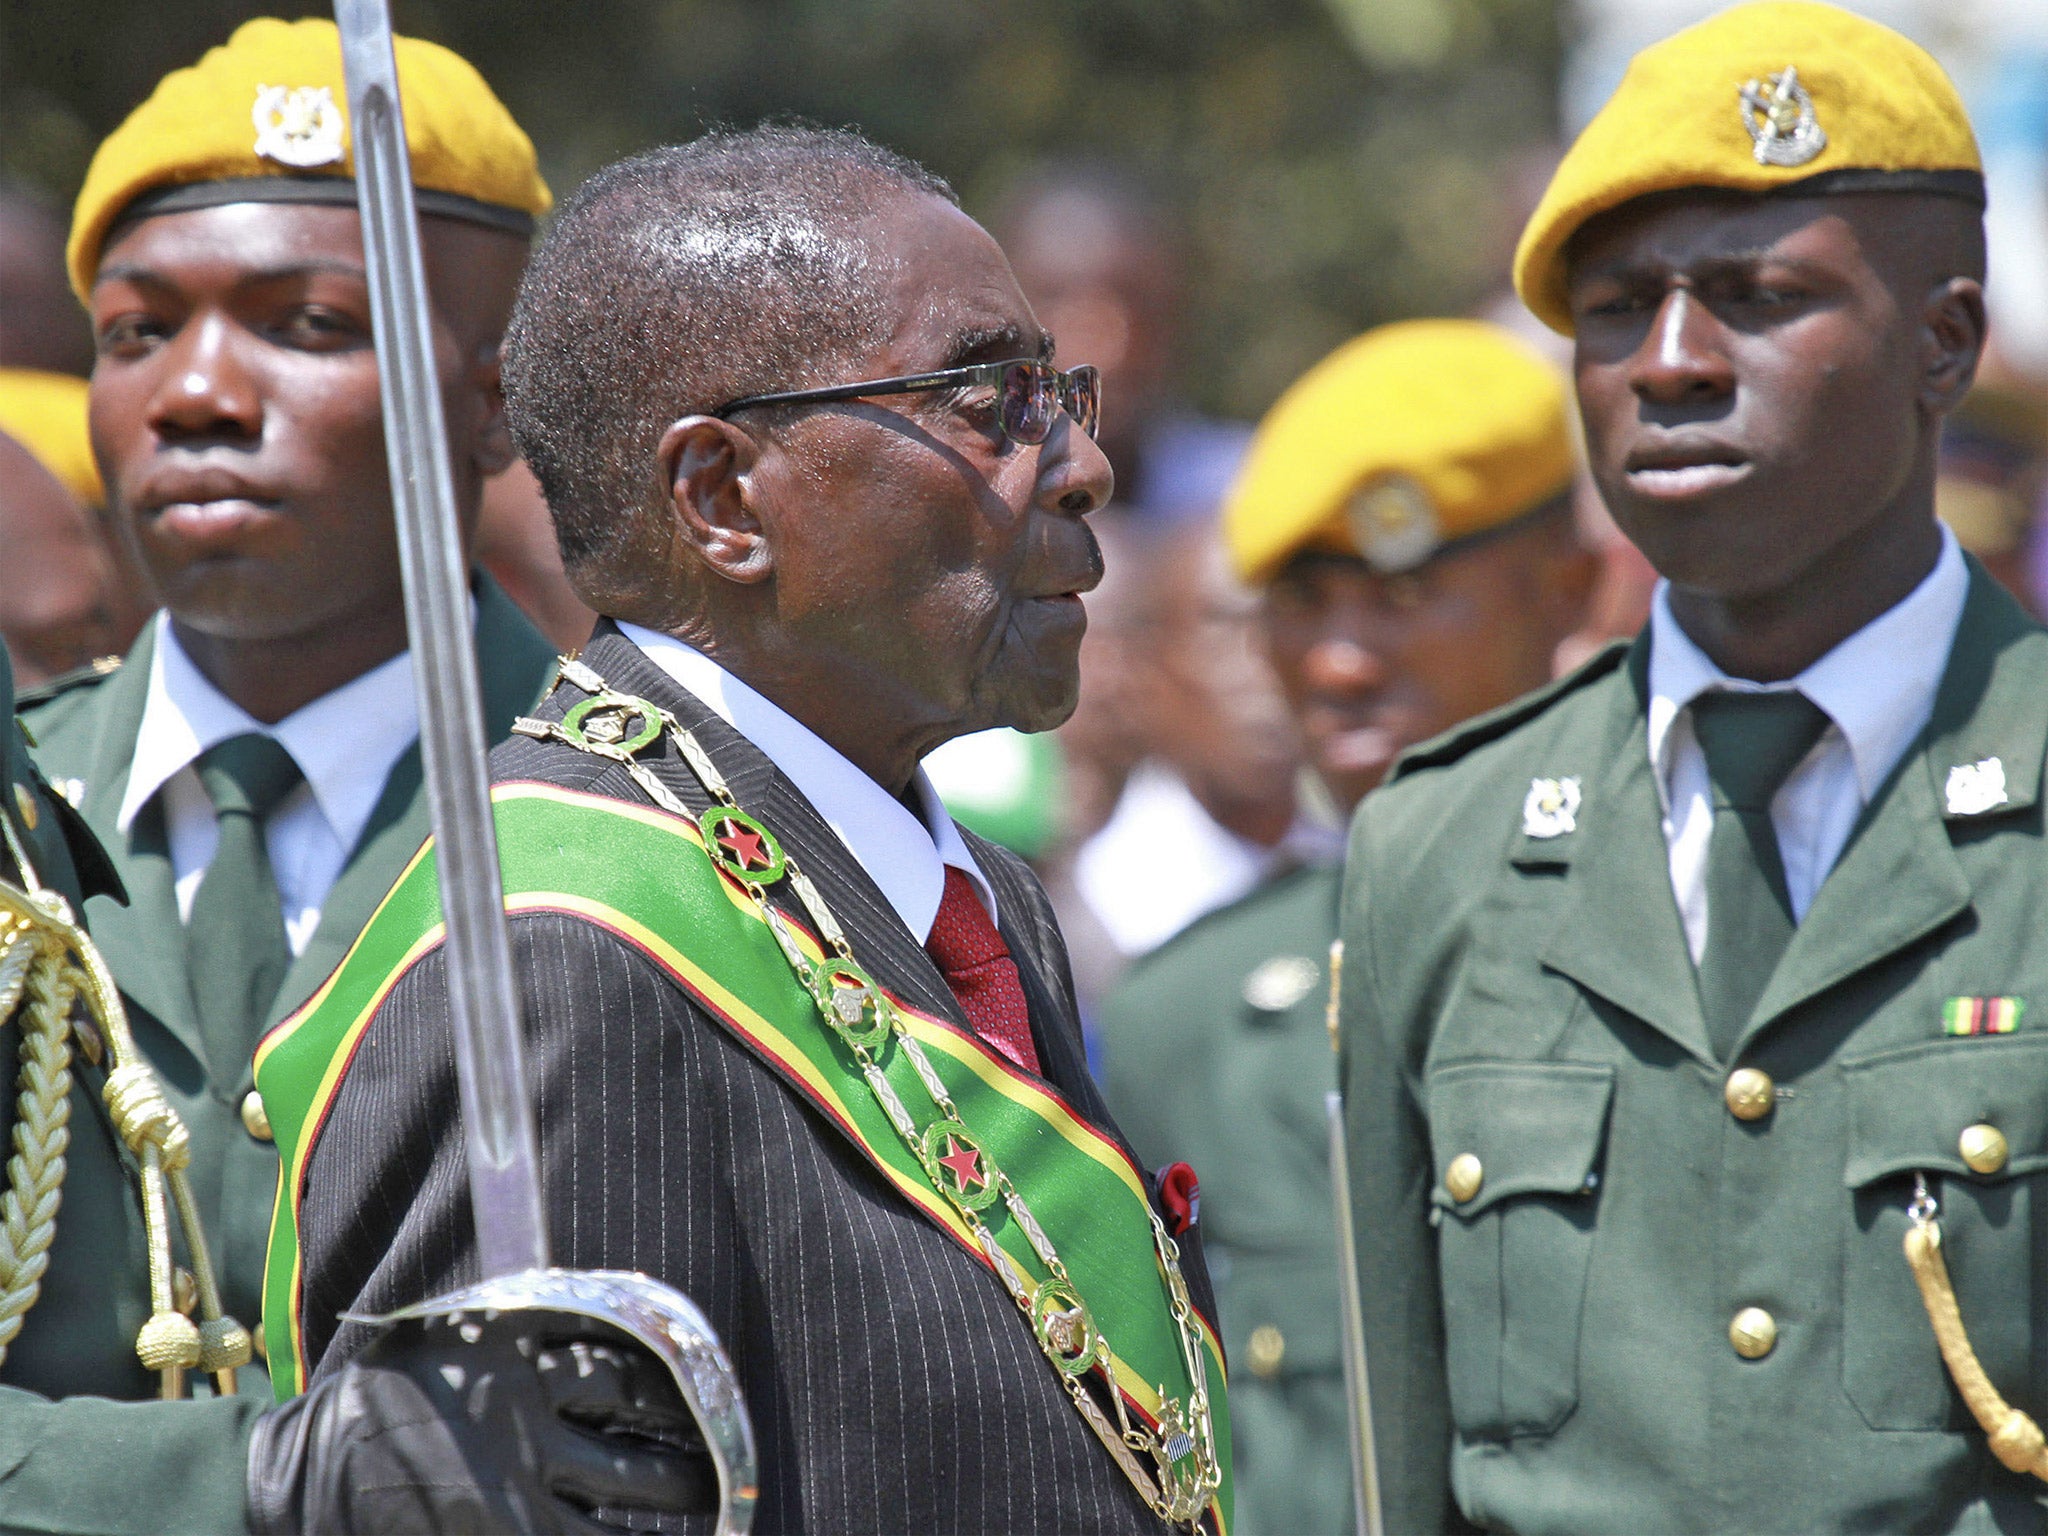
(1984, 1148)
(254, 1117)
(1264, 1351)
(256, 1338)
(1749, 1093)
(25, 803)
(1754, 1333)
(1464, 1177)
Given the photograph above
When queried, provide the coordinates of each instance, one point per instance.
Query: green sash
(642, 874)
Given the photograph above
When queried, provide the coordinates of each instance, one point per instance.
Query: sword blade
(1365, 1472)
(490, 1051)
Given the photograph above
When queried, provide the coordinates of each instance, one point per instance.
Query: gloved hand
(524, 1421)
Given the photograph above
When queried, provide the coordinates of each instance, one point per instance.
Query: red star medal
(744, 844)
(963, 1161)
(974, 1177)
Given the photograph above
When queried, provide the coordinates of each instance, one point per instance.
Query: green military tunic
(86, 1464)
(1216, 1053)
(85, 732)
(1612, 1283)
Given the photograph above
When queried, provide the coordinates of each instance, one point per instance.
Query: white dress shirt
(345, 743)
(1161, 861)
(905, 855)
(1877, 689)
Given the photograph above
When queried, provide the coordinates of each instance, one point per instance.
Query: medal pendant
(1066, 1330)
(612, 724)
(963, 1172)
(853, 1004)
(741, 846)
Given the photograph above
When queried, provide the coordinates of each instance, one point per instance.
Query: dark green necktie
(236, 951)
(1752, 742)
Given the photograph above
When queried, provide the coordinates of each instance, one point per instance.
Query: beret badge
(1393, 525)
(1778, 112)
(297, 125)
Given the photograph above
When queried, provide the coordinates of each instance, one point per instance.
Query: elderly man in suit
(804, 1048)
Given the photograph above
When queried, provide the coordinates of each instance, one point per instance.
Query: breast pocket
(1517, 1149)
(1933, 1109)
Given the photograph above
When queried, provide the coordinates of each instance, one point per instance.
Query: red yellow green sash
(642, 874)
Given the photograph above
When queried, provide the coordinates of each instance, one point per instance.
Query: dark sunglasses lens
(1084, 398)
(1030, 397)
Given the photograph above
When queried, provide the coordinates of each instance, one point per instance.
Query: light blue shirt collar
(1877, 686)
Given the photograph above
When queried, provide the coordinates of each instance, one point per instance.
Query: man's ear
(708, 463)
(494, 450)
(1952, 331)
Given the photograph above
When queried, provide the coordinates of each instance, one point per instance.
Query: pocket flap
(1909, 1108)
(1535, 1127)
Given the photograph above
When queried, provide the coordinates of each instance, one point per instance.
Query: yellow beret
(45, 413)
(1759, 98)
(1398, 443)
(270, 109)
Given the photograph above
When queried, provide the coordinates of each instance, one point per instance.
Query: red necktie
(976, 963)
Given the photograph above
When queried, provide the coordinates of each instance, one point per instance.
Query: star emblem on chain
(964, 1163)
(741, 846)
(969, 1179)
(744, 844)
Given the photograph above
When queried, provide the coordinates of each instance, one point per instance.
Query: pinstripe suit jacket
(892, 1382)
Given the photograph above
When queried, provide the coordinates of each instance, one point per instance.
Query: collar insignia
(297, 125)
(1393, 525)
(1552, 808)
(1974, 788)
(1281, 982)
(1778, 113)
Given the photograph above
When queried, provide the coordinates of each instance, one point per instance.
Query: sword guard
(663, 1320)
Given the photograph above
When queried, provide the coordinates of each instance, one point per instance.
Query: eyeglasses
(1029, 394)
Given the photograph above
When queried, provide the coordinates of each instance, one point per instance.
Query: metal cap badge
(1394, 524)
(1778, 112)
(298, 126)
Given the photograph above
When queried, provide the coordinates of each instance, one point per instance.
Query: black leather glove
(521, 1421)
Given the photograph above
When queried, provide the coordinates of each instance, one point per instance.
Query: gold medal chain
(1066, 1335)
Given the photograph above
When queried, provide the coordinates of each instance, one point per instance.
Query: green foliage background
(1331, 163)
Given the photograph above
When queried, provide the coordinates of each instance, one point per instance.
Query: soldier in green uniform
(1690, 1011)
(1404, 509)
(252, 766)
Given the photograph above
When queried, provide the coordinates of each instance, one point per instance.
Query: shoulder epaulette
(98, 670)
(1494, 724)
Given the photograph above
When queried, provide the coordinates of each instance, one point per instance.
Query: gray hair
(680, 279)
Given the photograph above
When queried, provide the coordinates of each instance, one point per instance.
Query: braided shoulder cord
(42, 1125)
(47, 958)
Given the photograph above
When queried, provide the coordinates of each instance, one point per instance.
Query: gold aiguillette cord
(2016, 1440)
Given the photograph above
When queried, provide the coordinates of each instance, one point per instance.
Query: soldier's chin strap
(2016, 1440)
(50, 974)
